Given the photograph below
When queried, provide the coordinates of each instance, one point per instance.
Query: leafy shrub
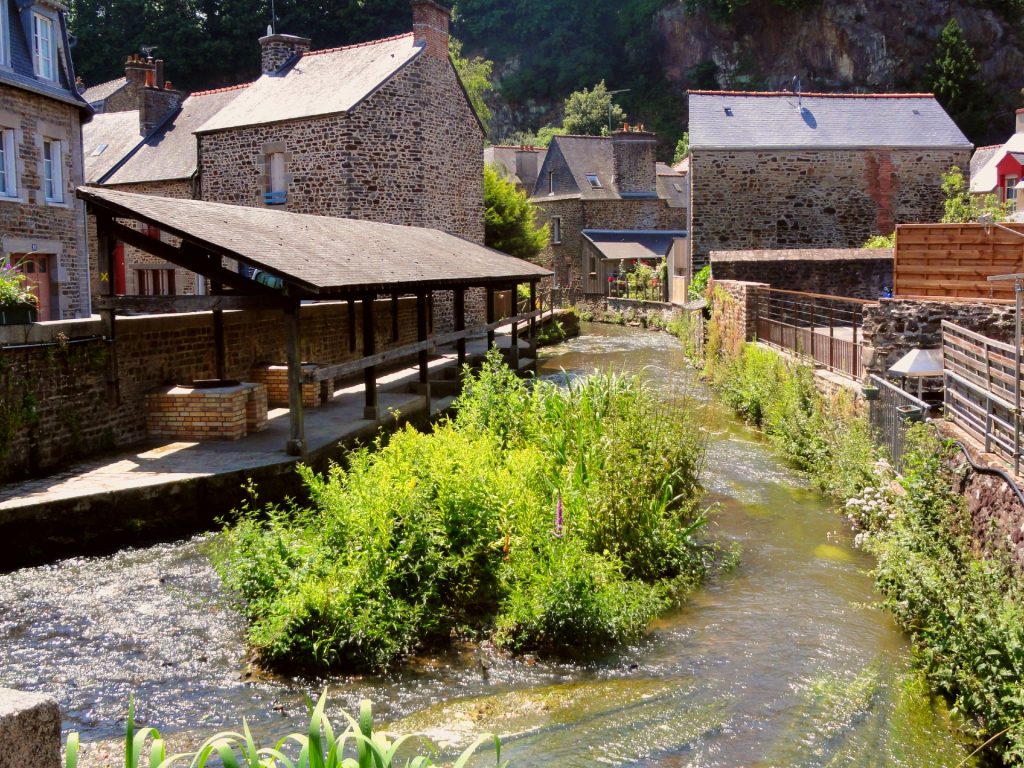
(699, 284)
(561, 519)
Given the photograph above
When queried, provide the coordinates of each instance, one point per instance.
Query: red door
(36, 268)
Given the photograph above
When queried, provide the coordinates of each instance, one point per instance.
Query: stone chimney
(634, 156)
(430, 22)
(278, 49)
(527, 166)
(1020, 121)
(156, 104)
(137, 70)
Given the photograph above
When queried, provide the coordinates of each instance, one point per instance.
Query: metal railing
(825, 329)
(891, 411)
(620, 288)
(979, 389)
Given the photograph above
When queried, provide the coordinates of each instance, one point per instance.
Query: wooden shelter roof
(320, 256)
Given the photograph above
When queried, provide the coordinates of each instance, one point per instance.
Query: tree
(956, 81)
(475, 74)
(961, 207)
(509, 223)
(682, 149)
(588, 113)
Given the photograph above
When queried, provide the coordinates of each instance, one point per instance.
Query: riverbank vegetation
(549, 519)
(963, 610)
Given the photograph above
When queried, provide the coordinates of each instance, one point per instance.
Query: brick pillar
(430, 22)
(278, 49)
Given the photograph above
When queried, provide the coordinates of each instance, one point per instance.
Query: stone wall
(64, 399)
(734, 304)
(29, 730)
(29, 224)
(856, 273)
(796, 199)
(893, 327)
(411, 153)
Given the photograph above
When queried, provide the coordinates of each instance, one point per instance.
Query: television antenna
(610, 100)
(147, 50)
(273, 18)
(795, 87)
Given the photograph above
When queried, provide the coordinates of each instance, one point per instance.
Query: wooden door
(36, 268)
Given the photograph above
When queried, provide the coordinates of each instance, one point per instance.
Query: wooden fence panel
(954, 260)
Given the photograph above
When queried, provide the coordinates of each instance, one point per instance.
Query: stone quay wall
(805, 198)
(734, 303)
(66, 392)
(29, 223)
(855, 273)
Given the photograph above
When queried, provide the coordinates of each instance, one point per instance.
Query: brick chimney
(430, 22)
(1020, 121)
(634, 156)
(278, 49)
(137, 70)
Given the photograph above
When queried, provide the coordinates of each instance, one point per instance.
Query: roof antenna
(147, 50)
(795, 86)
(272, 29)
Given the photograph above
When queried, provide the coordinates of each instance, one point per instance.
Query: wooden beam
(106, 263)
(297, 428)
(177, 304)
(340, 370)
(371, 411)
(490, 316)
(533, 319)
(351, 325)
(394, 317)
(460, 325)
(421, 336)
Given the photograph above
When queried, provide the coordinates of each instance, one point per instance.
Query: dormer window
(595, 183)
(43, 47)
(551, 182)
(728, 111)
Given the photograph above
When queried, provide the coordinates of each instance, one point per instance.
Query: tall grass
(558, 520)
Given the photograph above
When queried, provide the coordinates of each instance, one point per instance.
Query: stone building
(999, 169)
(783, 170)
(593, 190)
(42, 224)
(520, 165)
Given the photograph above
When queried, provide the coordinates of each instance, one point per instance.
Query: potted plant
(910, 413)
(870, 392)
(18, 304)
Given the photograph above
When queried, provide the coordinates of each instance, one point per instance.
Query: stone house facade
(42, 224)
(784, 170)
(602, 183)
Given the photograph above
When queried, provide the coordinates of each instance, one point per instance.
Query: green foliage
(723, 11)
(682, 149)
(475, 74)
(358, 746)
(880, 241)
(961, 207)
(509, 220)
(699, 284)
(541, 138)
(590, 112)
(12, 287)
(956, 81)
(560, 520)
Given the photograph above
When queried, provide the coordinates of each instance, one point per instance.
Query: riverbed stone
(29, 730)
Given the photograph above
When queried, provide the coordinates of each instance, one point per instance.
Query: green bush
(561, 520)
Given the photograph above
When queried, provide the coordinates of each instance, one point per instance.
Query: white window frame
(278, 181)
(551, 182)
(53, 170)
(594, 180)
(5, 34)
(556, 230)
(8, 163)
(1009, 188)
(44, 47)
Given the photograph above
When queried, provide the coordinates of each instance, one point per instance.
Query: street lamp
(610, 94)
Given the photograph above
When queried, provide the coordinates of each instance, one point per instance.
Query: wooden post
(351, 325)
(421, 335)
(514, 349)
(394, 317)
(460, 325)
(371, 411)
(490, 315)
(105, 245)
(219, 349)
(533, 320)
(297, 435)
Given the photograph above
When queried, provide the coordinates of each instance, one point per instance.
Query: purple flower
(559, 520)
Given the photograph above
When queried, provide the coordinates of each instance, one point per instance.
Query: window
(43, 47)
(595, 182)
(556, 229)
(53, 178)
(551, 182)
(155, 282)
(1010, 188)
(8, 164)
(277, 180)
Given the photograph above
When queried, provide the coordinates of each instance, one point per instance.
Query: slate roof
(21, 72)
(106, 140)
(572, 158)
(632, 244)
(171, 151)
(103, 91)
(741, 120)
(324, 82)
(801, 254)
(323, 255)
(985, 179)
(980, 159)
(673, 187)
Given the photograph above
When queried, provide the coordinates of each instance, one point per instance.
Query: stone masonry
(29, 730)
(30, 224)
(797, 199)
(861, 273)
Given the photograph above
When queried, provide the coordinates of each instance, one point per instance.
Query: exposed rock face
(868, 44)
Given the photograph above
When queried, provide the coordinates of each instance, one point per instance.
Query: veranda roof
(322, 256)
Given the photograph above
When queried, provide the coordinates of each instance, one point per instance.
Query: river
(782, 661)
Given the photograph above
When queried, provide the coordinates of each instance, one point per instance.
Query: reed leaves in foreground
(358, 746)
(552, 519)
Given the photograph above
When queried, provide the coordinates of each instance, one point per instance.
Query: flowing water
(783, 661)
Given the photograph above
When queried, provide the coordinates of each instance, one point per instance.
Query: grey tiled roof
(572, 158)
(981, 157)
(170, 152)
(104, 90)
(802, 254)
(319, 83)
(736, 120)
(626, 244)
(106, 140)
(323, 255)
(21, 72)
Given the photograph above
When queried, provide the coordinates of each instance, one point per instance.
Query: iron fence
(891, 412)
(620, 288)
(825, 329)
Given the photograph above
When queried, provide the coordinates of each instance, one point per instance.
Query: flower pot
(18, 314)
(870, 392)
(910, 413)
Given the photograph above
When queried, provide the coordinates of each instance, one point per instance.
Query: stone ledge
(29, 730)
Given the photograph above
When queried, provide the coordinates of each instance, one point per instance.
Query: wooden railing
(981, 377)
(891, 413)
(825, 329)
(620, 288)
